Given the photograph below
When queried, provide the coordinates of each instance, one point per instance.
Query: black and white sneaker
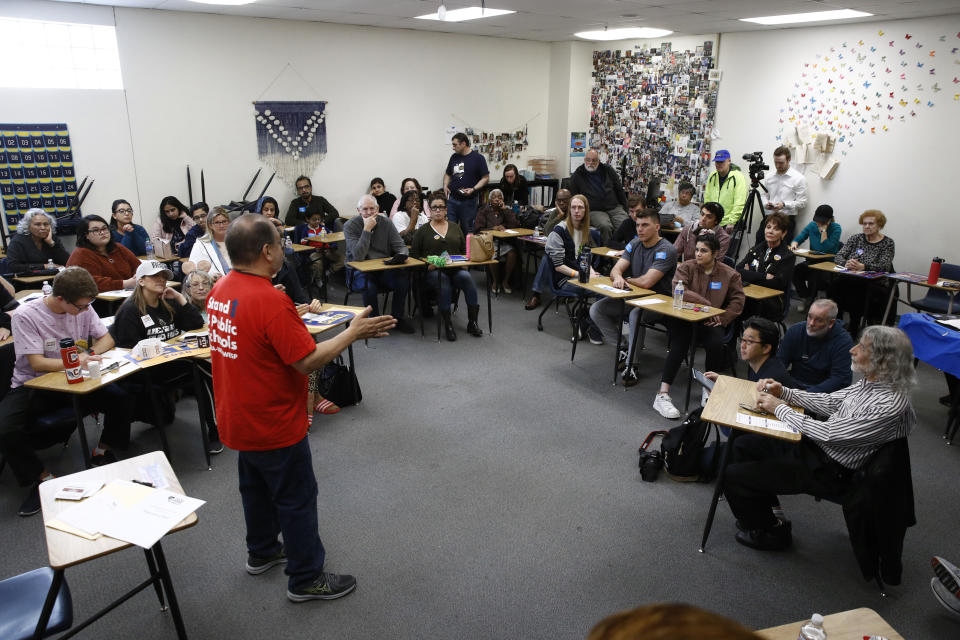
(327, 586)
(257, 565)
(31, 503)
(594, 335)
(621, 360)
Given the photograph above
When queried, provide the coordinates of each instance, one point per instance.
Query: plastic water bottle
(287, 245)
(148, 248)
(813, 630)
(678, 295)
(50, 264)
(46, 288)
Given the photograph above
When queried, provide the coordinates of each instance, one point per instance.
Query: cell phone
(757, 410)
(703, 380)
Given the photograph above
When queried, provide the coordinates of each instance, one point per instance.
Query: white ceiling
(554, 20)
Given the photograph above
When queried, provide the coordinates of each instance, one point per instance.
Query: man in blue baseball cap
(728, 186)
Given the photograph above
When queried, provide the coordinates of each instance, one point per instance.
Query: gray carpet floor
(489, 488)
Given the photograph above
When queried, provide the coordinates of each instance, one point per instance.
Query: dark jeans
(544, 277)
(279, 495)
(462, 212)
(461, 279)
(22, 405)
(681, 333)
(808, 281)
(851, 295)
(764, 468)
(371, 284)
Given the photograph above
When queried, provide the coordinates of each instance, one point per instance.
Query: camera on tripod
(757, 166)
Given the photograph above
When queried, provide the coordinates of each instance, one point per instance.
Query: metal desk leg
(156, 414)
(51, 599)
(693, 353)
(168, 587)
(489, 308)
(893, 291)
(81, 430)
(616, 354)
(439, 313)
(200, 392)
(152, 565)
(718, 489)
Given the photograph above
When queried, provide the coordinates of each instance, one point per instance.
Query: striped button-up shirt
(863, 417)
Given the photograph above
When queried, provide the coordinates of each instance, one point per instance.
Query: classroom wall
(190, 79)
(906, 171)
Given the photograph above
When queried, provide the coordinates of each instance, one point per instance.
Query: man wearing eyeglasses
(758, 346)
(38, 327)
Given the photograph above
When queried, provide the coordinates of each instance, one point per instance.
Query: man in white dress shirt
(786, 192)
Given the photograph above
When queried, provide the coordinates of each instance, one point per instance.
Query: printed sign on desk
(328, 318)
(168, 352)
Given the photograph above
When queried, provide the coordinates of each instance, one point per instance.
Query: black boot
(448, 326)
(473, 310)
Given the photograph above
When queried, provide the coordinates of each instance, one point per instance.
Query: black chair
(937, 301)
(46, 429)
(878, 508)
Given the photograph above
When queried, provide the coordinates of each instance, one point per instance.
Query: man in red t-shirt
(261, 353)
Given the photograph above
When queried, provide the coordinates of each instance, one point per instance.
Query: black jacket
(23, 255)
(611, 195)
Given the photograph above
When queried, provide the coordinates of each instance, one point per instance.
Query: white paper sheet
(151, 518)
(118, 293)
(765, 423)
(645, 302)
(611, 289)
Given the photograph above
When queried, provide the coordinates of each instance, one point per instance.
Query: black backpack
(683, 450)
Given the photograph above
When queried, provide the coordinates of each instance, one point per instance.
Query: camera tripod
(743, 225)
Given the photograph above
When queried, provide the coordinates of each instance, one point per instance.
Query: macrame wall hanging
(291, 136)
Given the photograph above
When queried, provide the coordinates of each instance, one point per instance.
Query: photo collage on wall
(652, 114)
(498, 148)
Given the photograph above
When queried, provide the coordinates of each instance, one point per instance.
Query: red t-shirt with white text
(255, 337)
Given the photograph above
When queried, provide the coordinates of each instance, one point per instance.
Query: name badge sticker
(303, 209)
(50, 344)
(147, 321)
(660, 255)
(716, 285)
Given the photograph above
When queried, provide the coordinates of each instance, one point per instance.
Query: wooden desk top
(606, 252)
(921, 280)
(327, 238)
(165, 260)
(847, 625)
(593, 287)
(829, 266)
(757, 292)
(664, 305)
(33, 279)
(724, 404)
(65, 549)
(316, 329)
(674, 231)
(106, 295)
(805, 253)
(376, 264)
(20, 295)
(467, 263)
(510, 233)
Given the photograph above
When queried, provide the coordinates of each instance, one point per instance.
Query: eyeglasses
(99, 230)
(438, 207)
(80, 307)
(199, 285)
(749, 341)
(220, 223)
(124, 211)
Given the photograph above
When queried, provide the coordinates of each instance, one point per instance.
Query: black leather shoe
(776, 538)
(448, 326)
(533, 303)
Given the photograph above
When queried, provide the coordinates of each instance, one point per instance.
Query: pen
(146, 484)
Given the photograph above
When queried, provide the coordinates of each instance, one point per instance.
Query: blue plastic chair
(21, 602)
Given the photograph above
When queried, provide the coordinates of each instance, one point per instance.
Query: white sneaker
(704, 396)
(664, 406)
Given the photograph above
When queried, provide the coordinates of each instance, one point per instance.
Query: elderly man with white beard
(600, 184)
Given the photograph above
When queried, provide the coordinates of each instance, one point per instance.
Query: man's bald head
(246, 237)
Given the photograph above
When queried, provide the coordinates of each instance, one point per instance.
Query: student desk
(109, 296)
(664, 305)
(607, 252)
(374, 265)
(758, 292)
(66, 550)
(603, 286)
(867, 276)
(722, 408)
(846, 625)
(326, 238)
(950, 287)
(509, 233)
(675, 231)
(469, 263)
(812, 255)
(29, 280)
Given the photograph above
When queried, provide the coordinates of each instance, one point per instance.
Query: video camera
(757, 166)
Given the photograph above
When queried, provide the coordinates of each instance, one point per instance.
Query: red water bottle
(71, 360)
(934, 276)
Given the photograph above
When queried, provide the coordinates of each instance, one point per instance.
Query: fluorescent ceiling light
(624, 34)
(225, 2)
(816, 16)
(467, 13)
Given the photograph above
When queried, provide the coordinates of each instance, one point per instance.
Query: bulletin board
(652, 114)
(499, 149)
